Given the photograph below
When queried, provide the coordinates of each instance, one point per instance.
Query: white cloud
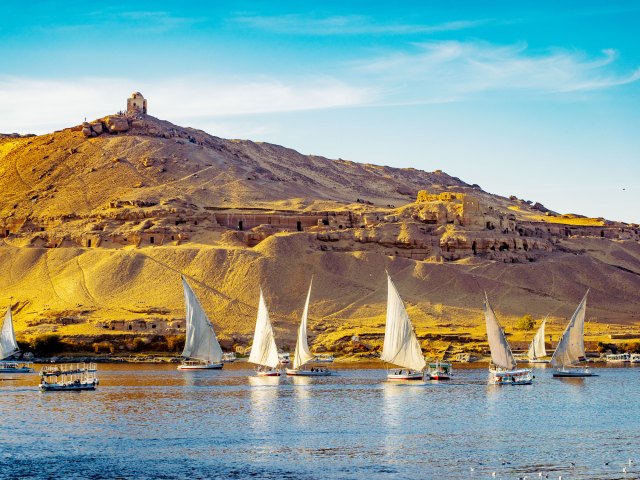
(454, 70)
(38, 106)
(297, 24)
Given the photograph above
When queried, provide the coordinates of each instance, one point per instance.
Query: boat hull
(54, 387)
(210, 366)
(405, 376)
(578, 373)
(273, 373)
(292, 372)
(439, 376)
(538, 361)
(17, 370)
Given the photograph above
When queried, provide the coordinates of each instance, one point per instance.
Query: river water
(152, 421)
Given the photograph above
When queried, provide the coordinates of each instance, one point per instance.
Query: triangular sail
(501, 355)
(537, 348)
(201, 342)
(570, 349)
(264, 351)
(8, 344)
(302, 354)
(401, 345)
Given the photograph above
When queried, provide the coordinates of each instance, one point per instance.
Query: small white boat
(324, 358)
(201, 348)
(618, 358)
(302, 356)
(264, 351)
(68, 377)
(635, 358)
(285, 358)
(503, 369)
(439, 370)
(401, 346)
(9, 347)
(570, 350)
(229, 357)
(537, 348)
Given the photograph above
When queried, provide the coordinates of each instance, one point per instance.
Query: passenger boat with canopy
(264, 352)
(68, 377)
(401, 347)
(503, 368)
(201, 348)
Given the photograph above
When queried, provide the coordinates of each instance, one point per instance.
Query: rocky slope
(99, 220)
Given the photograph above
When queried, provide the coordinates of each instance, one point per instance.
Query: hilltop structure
(136, 104)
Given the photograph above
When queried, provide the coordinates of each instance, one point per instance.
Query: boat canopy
(201, 342)
(8, 344)
(501, 354)
(263, 350)
(401, 345)
(570, 349)
(302, 354)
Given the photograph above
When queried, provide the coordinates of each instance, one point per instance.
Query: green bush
(45, 345)
(525, 323)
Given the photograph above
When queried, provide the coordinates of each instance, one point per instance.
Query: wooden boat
(264, 352)
(401, 347)
(503, 369)
(570, 350)
(68, 377)
(302, 356)
(9, 347)
(201, 348)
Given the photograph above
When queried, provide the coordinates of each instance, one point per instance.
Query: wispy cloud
(297, 24)
(454, 70)
(28, 104)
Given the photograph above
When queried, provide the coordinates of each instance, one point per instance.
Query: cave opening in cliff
(299, 225)
(89, 243)
(240, 225)
(474, 248)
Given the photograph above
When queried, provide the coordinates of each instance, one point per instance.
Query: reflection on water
(152, 421)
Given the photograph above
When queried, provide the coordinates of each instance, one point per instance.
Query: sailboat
(9, 347)
(401, 345)
(570, 349)
(503, 368)
(201, 348)
(303, 355)
(264, 352)
(537, 348)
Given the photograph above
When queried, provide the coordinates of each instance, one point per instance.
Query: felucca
(9, 347)
(401, 345)
(570, 349)
(264, 352)
(537, 349)
(503, 368)
(303, 355)
(201, 348)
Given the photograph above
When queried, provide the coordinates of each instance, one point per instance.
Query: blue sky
(536, 99)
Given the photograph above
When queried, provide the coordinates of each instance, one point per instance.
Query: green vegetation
(526, 323)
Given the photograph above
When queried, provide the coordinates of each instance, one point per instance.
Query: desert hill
(98, 221)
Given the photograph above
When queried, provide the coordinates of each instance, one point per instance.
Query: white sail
(501, 355)
(201, 342)
(264, 351)
(302, 354)
(8, 344)
(401, 345)
(537, 349)
(570, 349)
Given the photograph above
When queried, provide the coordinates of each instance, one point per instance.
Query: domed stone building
(136, 104)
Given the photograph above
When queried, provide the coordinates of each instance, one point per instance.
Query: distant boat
(68, 377)
(618, 358)
(439, 370)
(303, 355)
(201, 348)
(9, 347)
(229, 357)
(537, 348)
(401, 345)
(570, 350)
(503, 368)
(324, 358)
(264, 352)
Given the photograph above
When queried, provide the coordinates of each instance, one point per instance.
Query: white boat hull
(574, 373)
(268, 373)
(210, 366)
(537, 361)
(411, 375)
(321, 372)
(21, 369)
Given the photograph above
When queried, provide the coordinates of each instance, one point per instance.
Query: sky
(536, 99)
